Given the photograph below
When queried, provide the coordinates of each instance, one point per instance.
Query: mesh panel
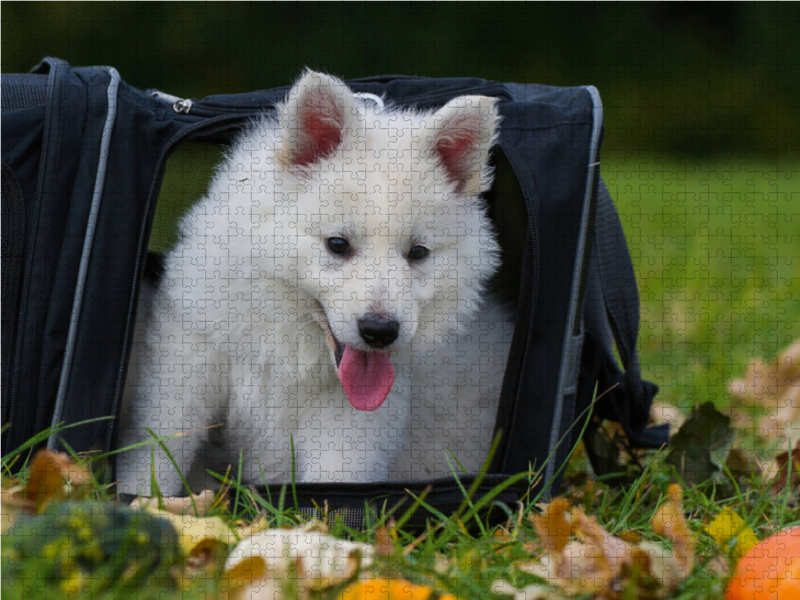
(13, 244)
(23, 91)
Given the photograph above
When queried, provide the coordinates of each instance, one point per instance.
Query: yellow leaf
(197, 534)
(204, 501)
(386, 589)
(246, 575)
(729, 527)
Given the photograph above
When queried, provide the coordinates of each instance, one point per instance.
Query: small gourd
(770, 570)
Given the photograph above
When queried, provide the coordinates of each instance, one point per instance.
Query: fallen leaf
(531, 592)
(774, 386)
(661, 412)
(782, 471)
(700, 447)
(744, 463)
(554, 527)
(320, 560)
(608, 449)
(12, 503)
(669, 522)
(244, 530)
(591, 563)
(53, 475)
(204, 501)
(384, 543)
(198, 535)
(731, 533)
(582, 557)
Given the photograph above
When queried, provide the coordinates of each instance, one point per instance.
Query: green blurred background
(682, 77)
(702, 146)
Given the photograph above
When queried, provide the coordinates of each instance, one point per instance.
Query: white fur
(235, 332)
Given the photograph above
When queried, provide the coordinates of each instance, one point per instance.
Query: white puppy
(327, 294)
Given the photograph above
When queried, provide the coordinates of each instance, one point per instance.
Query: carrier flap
(56, 303)
(548, 134)
(613, 315)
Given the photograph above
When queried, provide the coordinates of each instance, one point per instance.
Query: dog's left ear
(465, 130)
(315, 118)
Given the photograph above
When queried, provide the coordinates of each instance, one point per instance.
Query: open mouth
(366, 376)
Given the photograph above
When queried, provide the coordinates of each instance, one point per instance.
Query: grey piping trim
(88, 240)
(570, 356)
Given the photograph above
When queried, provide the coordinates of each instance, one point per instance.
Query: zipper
(143, 235)
(432, 99)
(185, 106)
(534, 233)
(196, 108)
(179, 105)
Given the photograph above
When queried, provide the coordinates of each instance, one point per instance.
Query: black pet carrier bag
(85, 158)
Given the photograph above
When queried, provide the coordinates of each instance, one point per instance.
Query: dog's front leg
(173, 396)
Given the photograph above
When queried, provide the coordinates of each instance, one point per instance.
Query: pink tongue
(366, 377)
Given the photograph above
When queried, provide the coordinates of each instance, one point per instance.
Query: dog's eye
(418, 253)
(338, 245)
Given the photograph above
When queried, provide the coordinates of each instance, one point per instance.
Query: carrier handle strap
(632, 397)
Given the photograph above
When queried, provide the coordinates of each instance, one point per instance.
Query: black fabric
(555, 182)
(23, 91)
(12, 252)
(52, 147)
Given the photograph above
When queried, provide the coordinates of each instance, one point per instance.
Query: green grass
(460, 556)
(716, 247)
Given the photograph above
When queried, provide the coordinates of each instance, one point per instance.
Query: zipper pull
(179, 105)
(182, 106)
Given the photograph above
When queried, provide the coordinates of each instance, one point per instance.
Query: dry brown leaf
(531, 592)
(554, 527)
(384, 543)
(243, 529)
(591, 560)
(589, 564)
(204, 501)
(669, 522)
(53, 475)
(775, 386)
(744, 462)
(781, 472)
(12, 503)
(661, 412)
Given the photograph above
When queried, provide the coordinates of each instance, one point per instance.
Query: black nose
(377, 331)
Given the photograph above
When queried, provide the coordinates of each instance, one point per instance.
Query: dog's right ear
(316, 118)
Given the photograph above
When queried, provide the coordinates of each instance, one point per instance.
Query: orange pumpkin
(770, 570)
